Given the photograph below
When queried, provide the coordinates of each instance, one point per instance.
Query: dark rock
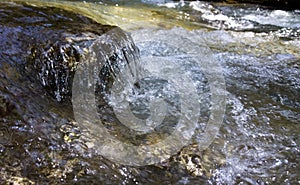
(47, 43)
(39, 52)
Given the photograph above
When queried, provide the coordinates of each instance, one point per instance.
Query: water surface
(258, 142)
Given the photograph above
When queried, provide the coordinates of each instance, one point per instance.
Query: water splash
(238, 17)
(156, 133)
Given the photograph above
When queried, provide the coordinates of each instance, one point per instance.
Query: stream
(222, 80)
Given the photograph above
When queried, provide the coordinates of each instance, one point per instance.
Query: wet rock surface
(46, 44)
(40, 49)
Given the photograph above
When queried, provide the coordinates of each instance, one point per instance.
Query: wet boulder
(40, 50)
(46, 44)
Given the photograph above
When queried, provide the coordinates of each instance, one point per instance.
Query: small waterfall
(109, 73)
(143, 111)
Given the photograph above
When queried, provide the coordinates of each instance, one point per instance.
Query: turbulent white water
(261, 70)
(251, 130)
(239, 17)
(274, 17)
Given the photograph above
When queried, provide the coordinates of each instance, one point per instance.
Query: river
(240, 62)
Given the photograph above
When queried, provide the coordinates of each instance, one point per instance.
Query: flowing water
(254, 49)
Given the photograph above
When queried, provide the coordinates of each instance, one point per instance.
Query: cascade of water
(148, 111)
